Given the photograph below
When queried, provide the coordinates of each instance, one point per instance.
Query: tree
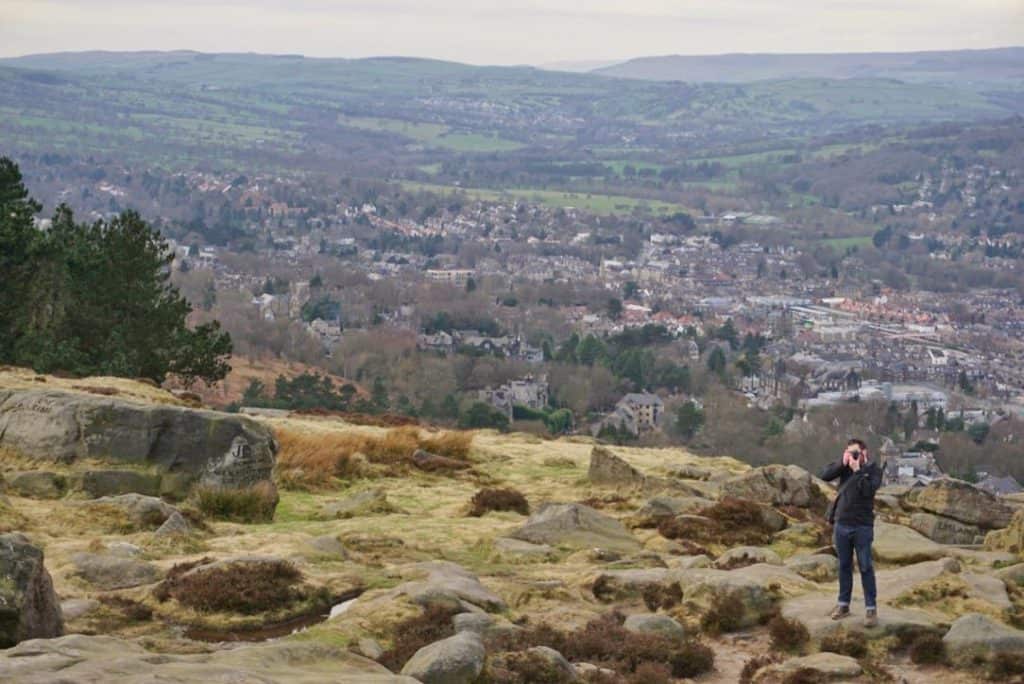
(379, 395)
(99, 302)
(716, 361)
(689, 419)
(614, 308)
(590, 350)
(978, 432)
(470, 285)
(481, 415)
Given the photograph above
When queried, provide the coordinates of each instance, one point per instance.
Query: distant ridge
(998, 64)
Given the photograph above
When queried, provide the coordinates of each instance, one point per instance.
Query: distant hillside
(953, 66)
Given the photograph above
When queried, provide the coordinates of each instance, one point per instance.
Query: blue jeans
(847, 539)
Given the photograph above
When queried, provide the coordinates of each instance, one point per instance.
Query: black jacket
(856, 504)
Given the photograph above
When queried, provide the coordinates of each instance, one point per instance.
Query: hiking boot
(871, 617)
(839, 612)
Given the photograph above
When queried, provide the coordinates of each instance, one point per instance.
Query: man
(853, 514)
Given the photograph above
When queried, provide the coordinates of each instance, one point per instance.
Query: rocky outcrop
(37, 484)
(778, 485)
(450, 586)
(576, 526)
(143, 511)
(975, 635)
(81, 658)
(816, 567)
(746, 555)
(608, 469)
(456, 660)
(208, 447)
(1009, 539)
(962, 501)
(825, 666)
(946, 530)
(29, 608)
(899, 544)
(110, 571)
(654, 623)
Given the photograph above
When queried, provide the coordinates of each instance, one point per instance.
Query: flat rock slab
(813, 612)
(108, 571)
(830, 666)
(975, 635)
(576, 526)
(81, 658)
(900, 544)
(449, 585)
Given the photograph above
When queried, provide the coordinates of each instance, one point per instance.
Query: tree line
(95, 298)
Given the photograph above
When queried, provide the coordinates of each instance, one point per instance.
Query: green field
(841, 244)
(596, 203)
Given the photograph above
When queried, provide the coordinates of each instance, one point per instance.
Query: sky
(508, 31)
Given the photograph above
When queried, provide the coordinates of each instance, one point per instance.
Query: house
(637, 412)
(529, 392)
(911, 468)
(1000, 486)
(453, 276)
(441, 342)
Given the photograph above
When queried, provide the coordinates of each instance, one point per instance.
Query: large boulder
(976, 635)
(109, 571)
(964, 502)
(98, 483)
(817, 567)
(1009, 539)
(143, 511)
(209, 447)
(81, 658)
(608, 469)
(778, 485)
(37, 484)
(945, 530)
(899, 544)
(451, 586)
(825, 666)
(368, 502)
(576, 526)
(655, 623)
(456, 660)
(29, 608)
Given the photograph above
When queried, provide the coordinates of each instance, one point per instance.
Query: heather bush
(240, 587)
(787, 634)
(412, 634)
(498, 500)
(851, 644)
(725, 614)
(254, 504)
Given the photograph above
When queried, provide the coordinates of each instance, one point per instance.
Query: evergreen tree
(689, 419)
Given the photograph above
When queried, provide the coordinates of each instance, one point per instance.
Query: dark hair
(858, 442)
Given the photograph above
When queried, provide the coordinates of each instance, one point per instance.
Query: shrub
(248, 588)
(738, 521)
(805, 675)
(928, 649)
(412, 634)
(651, 673)
(131, 610)
(522, 667)
(449, 443)
(247, 505)
(661, 596)
(691, 658)
(498, 500)
(787, 634)
(851, 644)
(1005, 665)
(725, 614)
(751, 667)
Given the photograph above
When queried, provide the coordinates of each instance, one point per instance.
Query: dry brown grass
(312, 459)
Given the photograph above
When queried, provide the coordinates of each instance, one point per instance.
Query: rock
(109, 572)
(424, 460)
(685, 562)
(964, 502)
(478, 623)
(72, 609)
(804, 534)
(456, 660)
(987, 588)
(576, 526)
(690, 472)
(213, 448)
(37, 484)
(144, 511)
(828, 666)
(654, 623)
(815, 567)
(608, 469)
(556, 660)
(369, 502)
(330, 546)
(29, 608)
(812, 611)
(660, 507)
(81, 658)
(899, 544)
(756, 585)
(174, 525)
(945, 530)
(452, 586)
(123, 549)
(1010, 539)
(616, 585)
(746, 555)
(97, 483)
(1012, 573)
(778, 485)
(976, 635)
(899, 581)
(370, 648)
(516, 549)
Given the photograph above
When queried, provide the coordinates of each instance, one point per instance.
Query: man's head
(855, 449)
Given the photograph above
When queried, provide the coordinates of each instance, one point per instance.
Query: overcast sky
(508, 31)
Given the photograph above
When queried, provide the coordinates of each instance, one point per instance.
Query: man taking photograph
(853, 515)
